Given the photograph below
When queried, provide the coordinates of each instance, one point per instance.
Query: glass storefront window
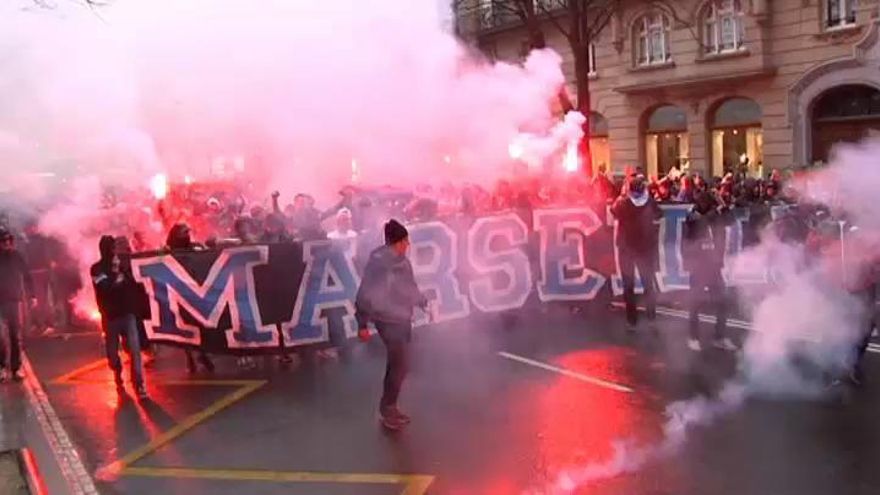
(667, 142)
(737, 138)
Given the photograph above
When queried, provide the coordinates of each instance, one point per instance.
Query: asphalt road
(498, 407)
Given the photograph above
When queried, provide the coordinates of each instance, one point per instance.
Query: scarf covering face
(639, 199)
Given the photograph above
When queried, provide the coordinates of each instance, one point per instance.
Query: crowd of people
(228, 215)
(199, 215)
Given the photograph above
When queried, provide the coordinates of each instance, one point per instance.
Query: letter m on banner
(229, 284)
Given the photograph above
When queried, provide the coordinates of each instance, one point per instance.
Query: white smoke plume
(294, 91)
(805, 325)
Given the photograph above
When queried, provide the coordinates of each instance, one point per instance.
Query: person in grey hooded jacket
(386, 297)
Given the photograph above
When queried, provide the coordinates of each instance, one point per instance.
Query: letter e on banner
(564, 274)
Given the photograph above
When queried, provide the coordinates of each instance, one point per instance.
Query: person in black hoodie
(116, 293)
(180, 239)
(15, 282)
(636, 235)
(705, 239)
(386, 297)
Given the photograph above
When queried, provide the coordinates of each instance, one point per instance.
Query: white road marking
(741, 324)
(571, 374)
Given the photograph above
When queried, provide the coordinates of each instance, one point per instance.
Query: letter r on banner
(434, 256)
(564, 274)
(229, 284)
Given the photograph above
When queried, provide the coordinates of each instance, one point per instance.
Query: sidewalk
(27, 421)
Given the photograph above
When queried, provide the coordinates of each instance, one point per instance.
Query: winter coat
(388, 291)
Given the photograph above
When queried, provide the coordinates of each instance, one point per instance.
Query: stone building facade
(717, 84)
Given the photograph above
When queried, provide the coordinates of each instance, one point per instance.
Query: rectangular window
(591, 58)
(653, 40)
(723, 26)
(840, 13)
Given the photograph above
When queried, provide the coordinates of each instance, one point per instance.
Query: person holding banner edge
(636, 236)
(386, 297)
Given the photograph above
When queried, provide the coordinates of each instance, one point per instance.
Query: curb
(36, 485)
(78, 480)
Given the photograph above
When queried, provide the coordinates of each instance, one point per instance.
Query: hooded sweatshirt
(15, 278)
(388, 291)
(636, 215)
(115, 293)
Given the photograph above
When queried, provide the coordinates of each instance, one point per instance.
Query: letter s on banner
(509, 260)
(434, 256)
(562, 233)
(329, 282)
(230, 283)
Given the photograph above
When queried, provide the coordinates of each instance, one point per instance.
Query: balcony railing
(500, 14)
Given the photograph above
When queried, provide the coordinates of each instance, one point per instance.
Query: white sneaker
(694, 345)
(4, 375)
(725, 345)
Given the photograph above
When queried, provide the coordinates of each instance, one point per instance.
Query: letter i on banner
(741, 272)
(672, 273)
(434, 256)
(507, 263)
(325, 300)
(564, 273)
(229, 284)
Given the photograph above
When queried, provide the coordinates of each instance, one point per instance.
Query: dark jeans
(41, 316)
(124, 327)
(396, 337)
(647, 265)
(867, 298)
(10, 321)
(707, 286)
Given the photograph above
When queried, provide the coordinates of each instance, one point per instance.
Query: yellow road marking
(415, 484)
(68, 378)
(184, 426)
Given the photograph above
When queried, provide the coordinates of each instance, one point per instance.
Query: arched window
(844, 114)
(651, 39)
(600, 151)
(723, 26)
(840, 13)
(667, 144)
(737, 137)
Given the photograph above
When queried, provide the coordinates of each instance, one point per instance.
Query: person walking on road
(116, 295)
(636, 237)
(386, 297)
(705, 239)
(15, 283)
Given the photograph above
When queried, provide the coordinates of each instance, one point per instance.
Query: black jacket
(388, 291)
(704, 241)
(116, 297)
(637, 231)
(15, 277)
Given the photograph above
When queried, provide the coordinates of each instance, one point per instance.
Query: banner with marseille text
(262, 298)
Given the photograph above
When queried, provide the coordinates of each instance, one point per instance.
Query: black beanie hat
(395, 232)
(107, 247)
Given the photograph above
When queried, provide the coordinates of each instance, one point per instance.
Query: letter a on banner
(564, 273)
(434, 256)
(508, 263)
(229, 284)
(329, 282)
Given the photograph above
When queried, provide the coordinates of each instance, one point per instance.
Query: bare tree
(578, 21)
